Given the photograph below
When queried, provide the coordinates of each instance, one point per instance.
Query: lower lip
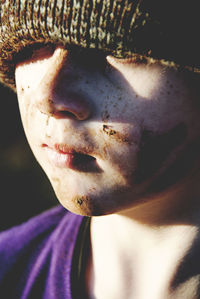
(73, 161)
(62, 160)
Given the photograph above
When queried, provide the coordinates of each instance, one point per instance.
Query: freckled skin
(124, 115)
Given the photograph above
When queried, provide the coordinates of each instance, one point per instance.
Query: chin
(95, 205)
(84, 206)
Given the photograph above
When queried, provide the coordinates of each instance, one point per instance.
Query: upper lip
(63, 148)
(66, 149)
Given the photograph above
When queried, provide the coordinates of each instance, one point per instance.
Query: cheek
(24, 108)
(186, 165)
(24, 93)
(28, 115)
(155, 150)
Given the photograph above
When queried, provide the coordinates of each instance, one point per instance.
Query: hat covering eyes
(164, 30)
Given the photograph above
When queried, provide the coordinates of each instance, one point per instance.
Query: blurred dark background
(24, 188)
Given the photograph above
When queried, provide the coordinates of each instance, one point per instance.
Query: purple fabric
(36, 257)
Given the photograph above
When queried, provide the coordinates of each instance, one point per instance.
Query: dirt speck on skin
(118, 136)
(55, 180)
(107, 129)
(105, 116)
(82, 204)
(47, 136)
(80, 200)
(47, 120)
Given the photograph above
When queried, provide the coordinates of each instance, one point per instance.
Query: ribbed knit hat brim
(162, 30)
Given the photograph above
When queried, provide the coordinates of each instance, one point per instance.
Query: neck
(140, 253)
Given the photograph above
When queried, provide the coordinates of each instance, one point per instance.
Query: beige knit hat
(165, 30)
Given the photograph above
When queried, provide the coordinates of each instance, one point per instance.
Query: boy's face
(108, 133)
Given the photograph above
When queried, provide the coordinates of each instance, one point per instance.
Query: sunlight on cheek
(144, 83)
(144, 80)
(30, 75)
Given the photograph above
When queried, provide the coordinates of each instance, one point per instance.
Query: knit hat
(164, 30)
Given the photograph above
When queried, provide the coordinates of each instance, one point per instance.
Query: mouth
(64, 157)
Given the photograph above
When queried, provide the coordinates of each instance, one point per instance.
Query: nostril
(64, 114)
(70, 115)
(70, 105)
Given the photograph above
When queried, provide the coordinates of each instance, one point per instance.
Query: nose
(56, 95)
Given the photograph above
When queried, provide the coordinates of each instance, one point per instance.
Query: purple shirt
(36, 257)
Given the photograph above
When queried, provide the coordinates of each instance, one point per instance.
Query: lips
(62, 156)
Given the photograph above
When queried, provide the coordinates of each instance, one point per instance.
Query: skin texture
(135, 119)
(140, 123)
